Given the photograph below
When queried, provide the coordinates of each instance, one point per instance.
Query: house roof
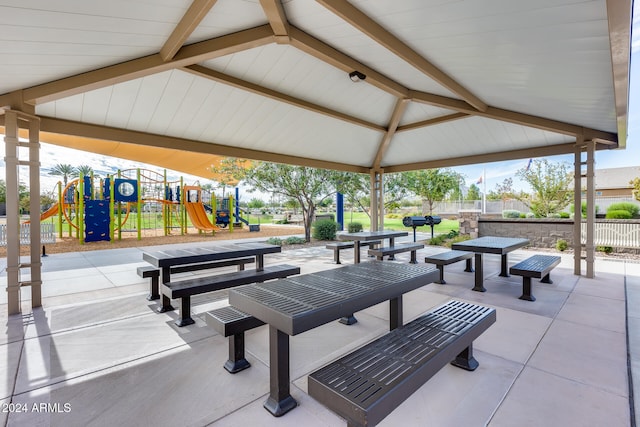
(616, 178)
(447, 83)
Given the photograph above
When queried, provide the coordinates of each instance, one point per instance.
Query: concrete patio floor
(97, 353)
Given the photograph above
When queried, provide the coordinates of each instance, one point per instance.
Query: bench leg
(469, 266)
(440, 268)
(547, 279)
(336, 256)
(348, 320)
(166, 305)
(154, 289)
(184, 318)
(280, 400)
(526, 290)
(465, 359)
(236, 362)
(414, 259)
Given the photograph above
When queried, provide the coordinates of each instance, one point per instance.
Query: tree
(432, 185)
(636, 187)
(551, 184)
(505, 191)
(307, 186)
(3, 191)
(256, 203)
(473, 193)
(85, 170)
(63, 170)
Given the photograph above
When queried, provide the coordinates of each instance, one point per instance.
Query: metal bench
(186, 288)
(338, 246)
(154, 273)
(230, 322)
(368, 384)
(379, 253)
(449, 257)
(538, 266)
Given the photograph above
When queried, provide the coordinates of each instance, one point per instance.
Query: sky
(494, 173)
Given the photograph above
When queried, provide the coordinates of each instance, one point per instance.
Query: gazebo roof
(447, 83)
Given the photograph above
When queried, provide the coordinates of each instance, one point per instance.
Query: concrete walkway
(97, 353)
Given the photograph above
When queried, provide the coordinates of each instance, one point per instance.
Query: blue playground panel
(96, 227)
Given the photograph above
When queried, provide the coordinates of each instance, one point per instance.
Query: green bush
(565, 215)
(354, 227)
(530, 215)
(605, 249)
(632, 208)
(554, 215)
(509, 213)
(620, 214)
(325, 229)
(294, 240)
(562, 245)
(583, 208)
(274, 241)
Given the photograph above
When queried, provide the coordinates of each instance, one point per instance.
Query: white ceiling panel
(467, 137)
(327, 27)
(43, 40)
(287, 70)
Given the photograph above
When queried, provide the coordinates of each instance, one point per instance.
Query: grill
(419, 221)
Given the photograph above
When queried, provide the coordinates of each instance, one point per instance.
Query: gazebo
(371, 87)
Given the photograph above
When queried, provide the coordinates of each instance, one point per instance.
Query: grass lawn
(396, 223)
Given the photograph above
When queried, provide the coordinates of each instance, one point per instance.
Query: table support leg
(479, 286)
(504, 266)
(441, 270)
(469, 267)
(395, 313)
(280, 401)
(165, 277)
(259, 262)
(356, 252)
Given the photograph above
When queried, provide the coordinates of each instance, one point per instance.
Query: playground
(141, 204)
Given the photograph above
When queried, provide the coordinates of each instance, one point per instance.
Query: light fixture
(356, 76)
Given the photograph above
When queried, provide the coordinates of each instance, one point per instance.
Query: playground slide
(198, 217)
(53, 210)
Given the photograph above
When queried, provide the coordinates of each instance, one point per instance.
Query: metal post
(340, 211)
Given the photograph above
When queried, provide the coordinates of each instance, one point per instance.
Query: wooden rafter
(141, 67)
(512, 117)
(189, 22)
(87, 130)
(277, 19)
(278, 96)
(368, 26)
(334, 57)
(433, 121)
(398, 111)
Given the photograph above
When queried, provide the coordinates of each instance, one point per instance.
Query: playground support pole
(165, 206)
(236, 209)
(112, 205)
(340, 210)
(232, 208)
(60, 202)
(139, 205)
(119, 213)
(183, 211)
(80, 213)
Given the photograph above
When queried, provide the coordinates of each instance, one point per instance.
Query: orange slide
(53, 210)
(198, 217)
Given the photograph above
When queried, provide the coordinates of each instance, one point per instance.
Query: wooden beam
(189, 22)
(433, 121)
(278, 96)
(152, 64)
(525, 153)
(331, 56)
(368, 26)
(398, 111)
(513, 117)
(619, 17)
(277, 19)
(67, 127)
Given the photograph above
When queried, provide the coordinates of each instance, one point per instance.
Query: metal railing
(616, 234)
(47, 234)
